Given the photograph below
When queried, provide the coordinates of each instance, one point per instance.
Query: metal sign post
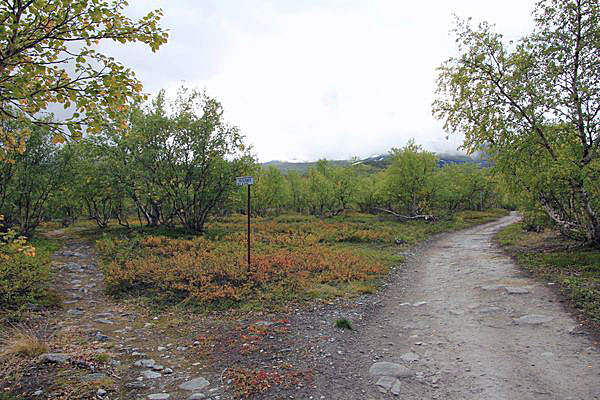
(246, 181)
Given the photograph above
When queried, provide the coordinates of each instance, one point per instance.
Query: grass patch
(553, 258)
(21, 343)
(294, 258)
(343, 323)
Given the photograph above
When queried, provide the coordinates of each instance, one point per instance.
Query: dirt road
(463, 323)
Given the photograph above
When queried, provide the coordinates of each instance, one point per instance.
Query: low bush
(215, 271)
(293, 259)
(24, 276)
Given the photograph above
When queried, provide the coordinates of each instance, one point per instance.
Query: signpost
(246, 181)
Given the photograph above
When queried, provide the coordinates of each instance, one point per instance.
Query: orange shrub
(207, 271)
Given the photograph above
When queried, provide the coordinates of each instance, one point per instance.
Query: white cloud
(310, 79)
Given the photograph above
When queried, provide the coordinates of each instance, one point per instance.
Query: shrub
(209, 271)
(22, 281)
(24, 274)
(343, 323)
(535, 221)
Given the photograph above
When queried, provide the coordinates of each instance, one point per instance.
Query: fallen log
(425, 217)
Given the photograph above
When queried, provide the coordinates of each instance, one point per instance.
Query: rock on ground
(195, 384)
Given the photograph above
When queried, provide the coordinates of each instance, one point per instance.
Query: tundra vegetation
(157, 177)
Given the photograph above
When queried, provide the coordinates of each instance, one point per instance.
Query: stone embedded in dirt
(38, 392)
(101, 392)
(135, 385)
(516, 290)
(73, 267)
(181, 348)
(57, 358)
(492, 287)
(385, 368)
(99, 336)
(197, 396)
(385, 383)
(409, 357)
(533, 319)
(195, 384)
(576, 330)
(67, 253)
(158, 396)
(489, 309)
(420, 303)
(151, 374)
(395, 390)
(98, 376)
(547, 354)
(263, 323)
(157, 368)
(167, 371)
(75, 311)
(104, 321)
(161, 348)
(149, 363)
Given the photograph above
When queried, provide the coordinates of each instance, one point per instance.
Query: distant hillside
(285, 166)
(378, 162)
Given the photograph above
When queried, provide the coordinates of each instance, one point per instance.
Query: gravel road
(468, 325)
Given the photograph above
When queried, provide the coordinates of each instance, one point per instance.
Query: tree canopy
(534, 106)
(49, 55)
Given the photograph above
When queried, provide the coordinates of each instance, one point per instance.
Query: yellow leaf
(58, 138)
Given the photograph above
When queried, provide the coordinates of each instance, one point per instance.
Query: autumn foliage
(288, 261)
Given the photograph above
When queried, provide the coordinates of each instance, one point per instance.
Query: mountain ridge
(380, 161)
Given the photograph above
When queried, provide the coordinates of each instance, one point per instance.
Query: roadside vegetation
(25, 275)
(546, 254)
(294, 258)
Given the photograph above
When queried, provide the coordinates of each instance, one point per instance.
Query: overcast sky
(309, 79)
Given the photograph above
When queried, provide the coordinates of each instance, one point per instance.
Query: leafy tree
(28, 181)
(298, 193)
(182, 159)
(461, 187)
(270, 191)
(48, 54)
(321, 196)
(369, 191)
(408, 178)
(343, 181)
(96, 182)
(534, 106)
